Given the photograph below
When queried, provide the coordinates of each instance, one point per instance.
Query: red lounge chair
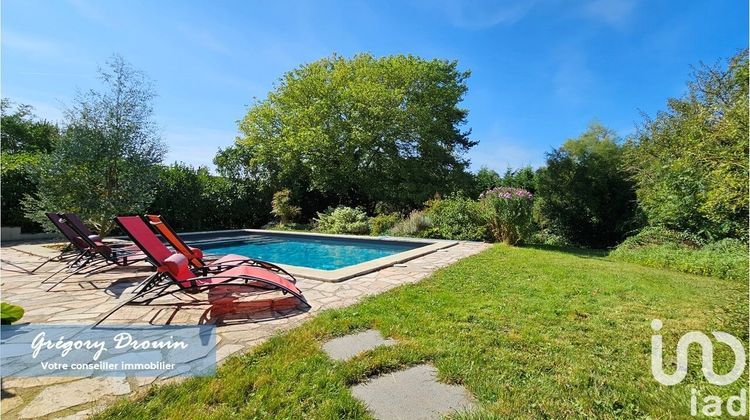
(95, 254)
(195, 255)
(173, 269)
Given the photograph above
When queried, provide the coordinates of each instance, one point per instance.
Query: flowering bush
(509, 211)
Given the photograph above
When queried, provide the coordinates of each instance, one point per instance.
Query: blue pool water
(317, 252)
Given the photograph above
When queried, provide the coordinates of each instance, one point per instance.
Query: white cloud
(616, 13)
(572, 78)
(92, 10)
(31, 46)
(482, 14)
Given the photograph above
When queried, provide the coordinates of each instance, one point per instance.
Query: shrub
(18, 180)
(457, 217)
(192, 199)
(380, 224)
(417, 224)
(282, 207)
(662, 248)
(545, 237)
(660, 236)
(509, 212)
(583, 193)
(343, 220)
(689, 161)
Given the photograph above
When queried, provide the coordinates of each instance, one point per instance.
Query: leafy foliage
(690, 162)
(282, 207)
(10, 313)
(487, 179)
(457, 217)
(24, 140)
(380, 224)
(510, 214)
(661, 236)
(661, 248)
(192, 199)
(343, 220)
(544, 237)
(583, 193)
(417, 224)
(358, 131)
(23, 132)
(104, 164)
(17, 181)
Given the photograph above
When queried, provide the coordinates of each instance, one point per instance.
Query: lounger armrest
(196, 252)
(95, 238)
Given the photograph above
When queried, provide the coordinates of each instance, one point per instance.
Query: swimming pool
(317, 256)
(316, 252)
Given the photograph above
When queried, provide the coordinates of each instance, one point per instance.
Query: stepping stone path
(413, 393)
(344, 348)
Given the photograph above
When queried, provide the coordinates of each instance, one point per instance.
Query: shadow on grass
(578, 252)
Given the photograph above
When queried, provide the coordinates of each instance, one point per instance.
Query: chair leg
(130, 300)
(42, 264)
(76, 271)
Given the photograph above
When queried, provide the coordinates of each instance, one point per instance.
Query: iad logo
(712, 404)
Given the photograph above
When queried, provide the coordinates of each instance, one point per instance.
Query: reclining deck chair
(173, 269)
(74, 249)
(195, 255)
(95, 254)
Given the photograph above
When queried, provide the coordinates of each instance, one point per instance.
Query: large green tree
(358, 131)
(583, 193)
(690, 162)
(105, 161)
(25, 139)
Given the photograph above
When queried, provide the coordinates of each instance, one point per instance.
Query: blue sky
(541, 70)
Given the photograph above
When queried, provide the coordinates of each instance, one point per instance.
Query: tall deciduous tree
(583, 193)
(690, 162)
(104, 162)
(358, 131)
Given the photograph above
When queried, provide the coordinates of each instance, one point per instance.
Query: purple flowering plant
(509, 211)
(507, 193)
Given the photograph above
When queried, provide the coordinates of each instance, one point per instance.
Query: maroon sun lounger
(174, 270)
(73, 251)
(95, 255)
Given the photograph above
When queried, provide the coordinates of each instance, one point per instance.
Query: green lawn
(530, 332)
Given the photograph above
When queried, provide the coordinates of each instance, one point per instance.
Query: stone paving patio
(242, 321)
